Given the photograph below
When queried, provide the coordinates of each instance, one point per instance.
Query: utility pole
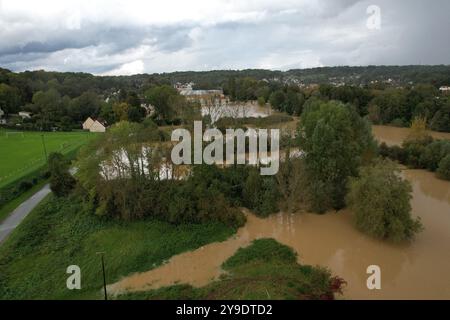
(104, 274)
(45, 149)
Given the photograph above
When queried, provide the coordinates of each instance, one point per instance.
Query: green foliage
(444, 168)
(260, 194)
(380, 200)
(61, 181)
(120, 174)
(263, 250)
(336, 142)
(63, 231)
(433, 154)
(64, 100)
(10, 99)
(413, 150)
(162, 98)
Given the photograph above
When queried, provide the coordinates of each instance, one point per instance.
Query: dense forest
(385, 95)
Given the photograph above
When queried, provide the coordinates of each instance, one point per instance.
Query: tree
(136, 114)
(277, 99)
(48, 104)
(336, 141)
(121, 110)
(444, 168)
(260, 193)
(261, 101)
(10, 99)
(84, 106)
(434, 153)
(418, 129)
(61, 181)
(163, 99)
(380, 201)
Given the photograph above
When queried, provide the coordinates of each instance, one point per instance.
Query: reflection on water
(416, 271)
(235, 110)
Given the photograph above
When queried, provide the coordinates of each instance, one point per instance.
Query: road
(18, 215)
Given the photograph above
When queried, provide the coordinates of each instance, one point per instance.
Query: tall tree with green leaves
(336, 141)
(380, 199)
(61, 181)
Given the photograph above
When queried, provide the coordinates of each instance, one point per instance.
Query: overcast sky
(141, 36)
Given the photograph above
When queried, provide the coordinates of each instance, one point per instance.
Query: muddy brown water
(395, 136)
(420, 270)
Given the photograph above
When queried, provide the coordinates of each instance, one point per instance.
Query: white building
(25, 115)
(98, 127)
(88, 123)
(94, 125)
(444, 89)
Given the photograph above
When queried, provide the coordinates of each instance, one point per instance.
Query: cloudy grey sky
(141, 36)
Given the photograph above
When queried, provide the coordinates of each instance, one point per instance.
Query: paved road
(17, 216)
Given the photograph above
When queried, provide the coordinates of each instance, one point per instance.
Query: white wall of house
(97, 127)
(88, 124)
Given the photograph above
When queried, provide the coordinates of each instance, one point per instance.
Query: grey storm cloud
(104, 37)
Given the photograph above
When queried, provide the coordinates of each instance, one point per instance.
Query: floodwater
(395, 136)
(420, 270)
(236, 110)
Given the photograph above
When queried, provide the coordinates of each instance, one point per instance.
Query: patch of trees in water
(421, 151)
(339, 167)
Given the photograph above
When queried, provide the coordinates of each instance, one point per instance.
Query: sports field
(23, 152)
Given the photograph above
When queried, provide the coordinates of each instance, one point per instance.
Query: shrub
(61, 181)
(260, 194)
(398, 123)
(380, 200)
(434, 153)
(444, 168)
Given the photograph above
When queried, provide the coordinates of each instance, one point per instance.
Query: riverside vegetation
(123, 204)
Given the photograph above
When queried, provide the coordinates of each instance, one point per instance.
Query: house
(88, 123)
(94, 125)
(98, 127)
(25, 115)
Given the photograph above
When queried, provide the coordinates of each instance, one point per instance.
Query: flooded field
(420, 270)
(236, 111)
(395, 136)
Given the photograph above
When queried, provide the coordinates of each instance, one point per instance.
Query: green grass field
(23, 152)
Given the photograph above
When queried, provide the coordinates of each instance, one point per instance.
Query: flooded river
(420, 270)
(395, 136)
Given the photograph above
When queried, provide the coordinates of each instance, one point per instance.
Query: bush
(380, 200)
(399, 123)
(434, 153)
(260, 194)
(61, 181)
(25, 186)
(414, 149)
(444, 168)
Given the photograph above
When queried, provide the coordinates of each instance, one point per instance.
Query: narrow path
(20, 213)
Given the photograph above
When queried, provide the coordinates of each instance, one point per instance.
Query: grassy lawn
(264, 270)
(61, 232)
(23, 152)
